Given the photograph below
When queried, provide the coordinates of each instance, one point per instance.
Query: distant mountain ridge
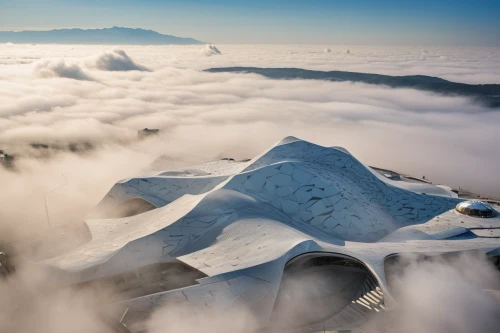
(114, 35)
(485, 94)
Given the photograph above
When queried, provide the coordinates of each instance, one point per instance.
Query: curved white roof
(241, 229)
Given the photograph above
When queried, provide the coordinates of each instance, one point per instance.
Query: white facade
(241, 223)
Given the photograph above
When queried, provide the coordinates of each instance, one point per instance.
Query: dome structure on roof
(476, 208)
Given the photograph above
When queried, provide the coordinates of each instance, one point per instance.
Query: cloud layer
(64, 97)
(203, 116)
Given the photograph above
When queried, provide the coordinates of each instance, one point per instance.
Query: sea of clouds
(99, 96)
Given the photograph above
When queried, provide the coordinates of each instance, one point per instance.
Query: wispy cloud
(116, 60)
(60, 68)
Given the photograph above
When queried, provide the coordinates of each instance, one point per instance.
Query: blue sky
(382, 22)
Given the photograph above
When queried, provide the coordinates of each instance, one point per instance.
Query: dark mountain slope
(486, 94)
